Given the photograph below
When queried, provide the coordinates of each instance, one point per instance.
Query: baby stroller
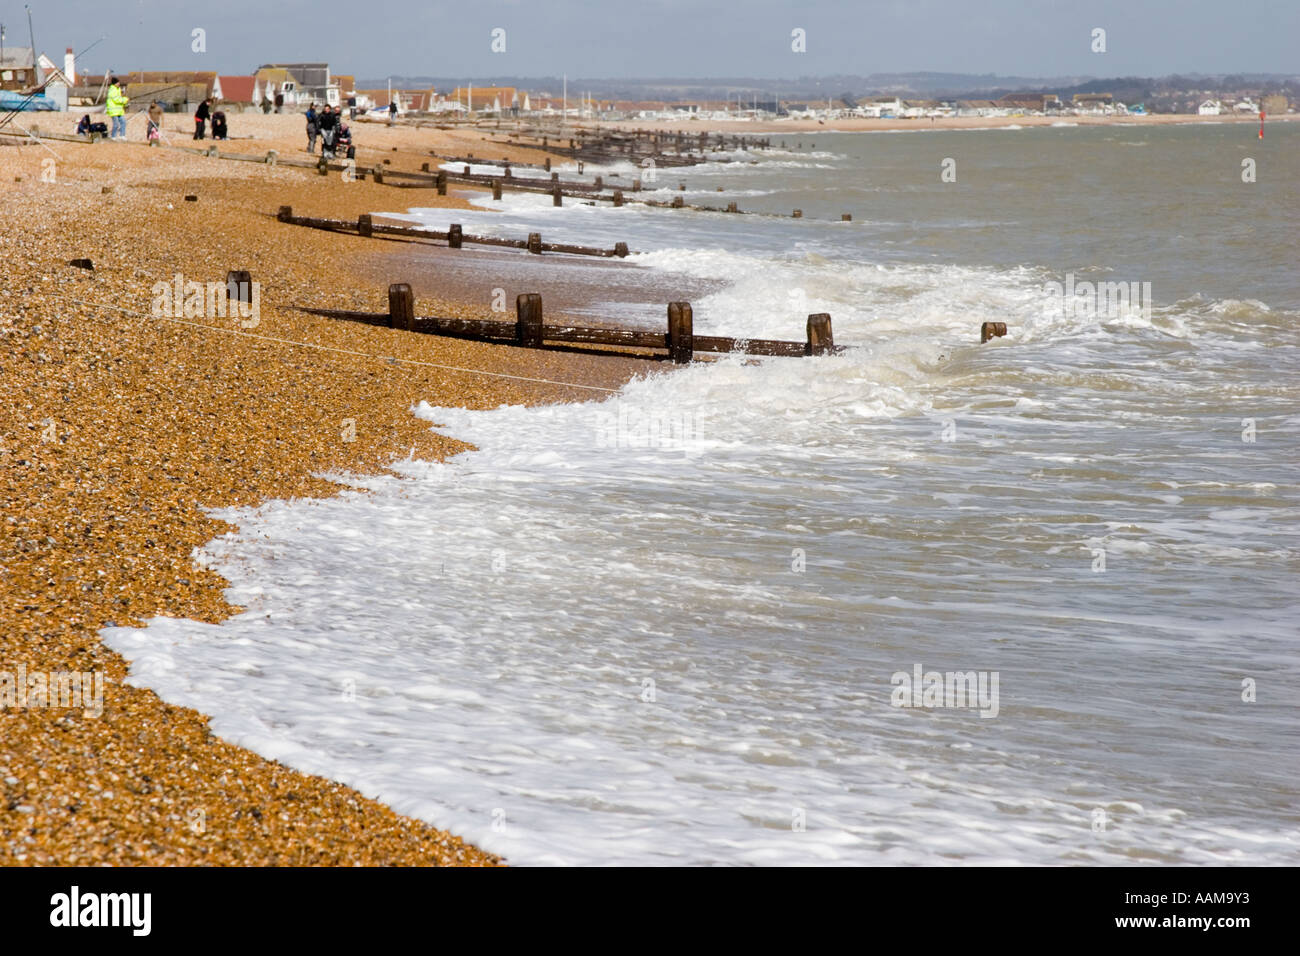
(344, 143)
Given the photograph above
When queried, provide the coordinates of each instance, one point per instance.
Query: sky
(672, 38)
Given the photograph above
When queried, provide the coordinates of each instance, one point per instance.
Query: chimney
(70, 66)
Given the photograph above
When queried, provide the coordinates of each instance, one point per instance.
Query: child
(154, 130)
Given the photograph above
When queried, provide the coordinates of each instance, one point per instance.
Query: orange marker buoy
(1261, 124)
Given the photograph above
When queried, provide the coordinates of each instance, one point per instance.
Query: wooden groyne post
(681, 332)
(992, 330)
(820, 340)
(528, 324)
(401, 307)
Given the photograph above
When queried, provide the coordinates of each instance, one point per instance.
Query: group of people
(203, 114)
(335, 135)
(115, 106)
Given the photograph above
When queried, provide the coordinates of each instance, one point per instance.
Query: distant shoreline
(866, 124)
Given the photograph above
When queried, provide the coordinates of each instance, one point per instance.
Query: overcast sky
(659, 38)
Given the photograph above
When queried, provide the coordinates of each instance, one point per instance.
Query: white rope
(328, 348)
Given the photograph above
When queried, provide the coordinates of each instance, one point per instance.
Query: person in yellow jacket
(116, 109)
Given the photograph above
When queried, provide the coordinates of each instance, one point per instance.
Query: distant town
(35, 82)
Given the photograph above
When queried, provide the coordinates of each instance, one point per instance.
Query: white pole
(565, 111)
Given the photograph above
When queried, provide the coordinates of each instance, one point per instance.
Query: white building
(1209, 108)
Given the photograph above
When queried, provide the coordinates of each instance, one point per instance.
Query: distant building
(301, 83)
(1093, 102)
(238, 92)
(1030, 102)
(177, 91)
(1209, 108)
(17, 69)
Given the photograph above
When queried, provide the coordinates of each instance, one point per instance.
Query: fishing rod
(8, 117)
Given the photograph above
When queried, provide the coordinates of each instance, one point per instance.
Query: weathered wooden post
(846, 217)
(365, 225)
(820, 340)
(509, 174)
(378, 174)
(580, 166)
(441, 183)
(798, 214)
(555, 177)
(557, 197)
(454, 236)
(424, 167)
(732, 207)
(535, 243)
(285, 213)
(600, 182)
(636, 185)
(677, 202)
(401, 307)
(618, 197)
(239, 285)
(272, 157)
(681, 334)
(466, 170)
(992, 330)
(528, 325)
(323, 166)
(496, 189)
(620, 250)
(548, 159)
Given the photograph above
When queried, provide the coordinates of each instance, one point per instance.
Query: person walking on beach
(115, 109)
(154, 130)
(392, 112)
(201, 118)
(313, 127)
(279, 102)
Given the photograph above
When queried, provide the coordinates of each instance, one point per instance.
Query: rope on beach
(329, 348)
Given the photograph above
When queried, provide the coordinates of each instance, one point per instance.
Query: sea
(924, 601)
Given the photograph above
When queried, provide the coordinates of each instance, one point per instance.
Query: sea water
(924, 601)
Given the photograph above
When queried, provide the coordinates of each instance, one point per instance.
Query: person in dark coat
(201, 116)
(219, 125)
(329, 129)
(313, 128)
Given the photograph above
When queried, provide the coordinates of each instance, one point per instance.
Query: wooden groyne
(454, 237)
(665, 148)
(677, 341)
